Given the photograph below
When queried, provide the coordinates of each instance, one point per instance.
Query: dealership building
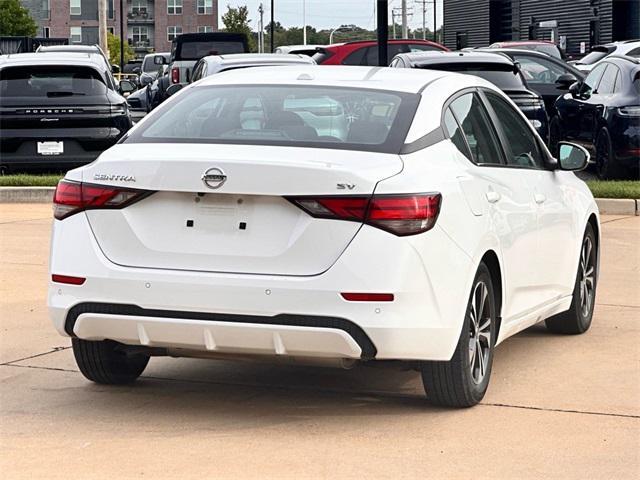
(576, 25)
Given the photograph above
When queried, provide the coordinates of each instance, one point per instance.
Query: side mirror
(115, 68)
(159, 60)
(565, 81)
(572, 157)
(126, 87)
(574, 89)
(173, 89)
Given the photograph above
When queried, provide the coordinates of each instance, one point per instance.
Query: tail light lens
(175, 75)
(398, 214)
(73, 197)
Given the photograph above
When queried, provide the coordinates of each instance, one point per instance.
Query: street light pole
(304, 22)
(272, 29)
(122, 36)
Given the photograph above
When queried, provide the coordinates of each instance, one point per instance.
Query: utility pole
(424, 17)
(393, 22)
(272, 29)
(435, 15)
(102, 25)
(261, 32)
(304, 22)
(122, 36)
(383, 32)
(404, 19)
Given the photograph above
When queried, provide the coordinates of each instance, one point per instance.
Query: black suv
(602, 112)
(498, 69)
(58, 110)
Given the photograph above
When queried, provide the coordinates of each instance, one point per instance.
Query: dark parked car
(365, 52)
(545, 75)
(603, 113)
(497, 69)
(58, 110)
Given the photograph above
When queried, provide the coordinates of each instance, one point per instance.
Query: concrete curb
(607, 206)
(617, 206)
(26, 194)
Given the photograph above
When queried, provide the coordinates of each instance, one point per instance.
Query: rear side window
(356, 58)
(456, 134)
(521, 145)
(592, 80)
(478, 131)
(608, 81)
(50, 82)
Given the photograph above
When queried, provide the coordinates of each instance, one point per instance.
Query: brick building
(150, 24)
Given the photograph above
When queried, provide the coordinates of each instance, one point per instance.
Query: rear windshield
(149, 65)
(505, 77)
(322, 117)
(550, 50)
(50, 81)
(596, 55)
(197, 50)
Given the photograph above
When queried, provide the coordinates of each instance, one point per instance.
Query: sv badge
(346, 186)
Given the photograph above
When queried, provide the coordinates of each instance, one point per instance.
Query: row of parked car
(599, 108)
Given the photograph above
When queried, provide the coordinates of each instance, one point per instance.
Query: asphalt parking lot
(557, 406)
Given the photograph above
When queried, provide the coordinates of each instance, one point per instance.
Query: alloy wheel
(479, 332)
(587, 277)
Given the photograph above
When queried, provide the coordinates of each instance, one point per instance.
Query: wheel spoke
(481, 359)
(473, 348)
(486, 336)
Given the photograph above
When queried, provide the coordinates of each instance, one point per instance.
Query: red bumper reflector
(67, 279)
(368, 297)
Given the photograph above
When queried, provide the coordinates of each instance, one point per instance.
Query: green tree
(236, 20)
(15, 20)
(113, 44)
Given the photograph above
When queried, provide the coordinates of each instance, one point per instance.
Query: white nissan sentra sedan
(324, 213)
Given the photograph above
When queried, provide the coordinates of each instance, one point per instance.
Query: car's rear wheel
(107, 362)
(578, 318)
(605, 161)
(463, 380)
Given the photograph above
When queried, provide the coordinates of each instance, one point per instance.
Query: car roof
(524, 42)
(69, 48)
(257, 58)
(391, 40)
(53, 58)
(376, 78)
(475, 56)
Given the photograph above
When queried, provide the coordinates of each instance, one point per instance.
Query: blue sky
(330, 13)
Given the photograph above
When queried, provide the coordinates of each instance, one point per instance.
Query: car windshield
(596, 55)
(322, 117)
(50, 81)
(503, 76)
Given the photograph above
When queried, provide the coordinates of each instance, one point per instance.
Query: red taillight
(74, 197)
(368, 297)
(175, 75)
(398, 214)
(68, 279)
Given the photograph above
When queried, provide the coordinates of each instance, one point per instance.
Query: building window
(75, 7)
(46, 32)
(46, 9)
(139, 7)
(205, 29)
(174, 7)
(140, 36)
(111, 30)
(205, 7)
(173, 32)
(110, 11)
(75, 34)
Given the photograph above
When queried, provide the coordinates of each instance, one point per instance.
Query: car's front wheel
(107, 362)
(463, 380)
(578, 318)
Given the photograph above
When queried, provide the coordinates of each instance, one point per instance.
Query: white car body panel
(302, 264)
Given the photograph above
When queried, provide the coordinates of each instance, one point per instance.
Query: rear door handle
(539, 198)
(492, 196)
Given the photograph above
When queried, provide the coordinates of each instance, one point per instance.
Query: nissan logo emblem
(214, 178)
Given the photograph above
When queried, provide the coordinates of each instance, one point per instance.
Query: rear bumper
(269, 314)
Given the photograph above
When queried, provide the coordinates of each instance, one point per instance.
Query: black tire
(575, 321)
(103, 362)
(605, 161)
(454, 383)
